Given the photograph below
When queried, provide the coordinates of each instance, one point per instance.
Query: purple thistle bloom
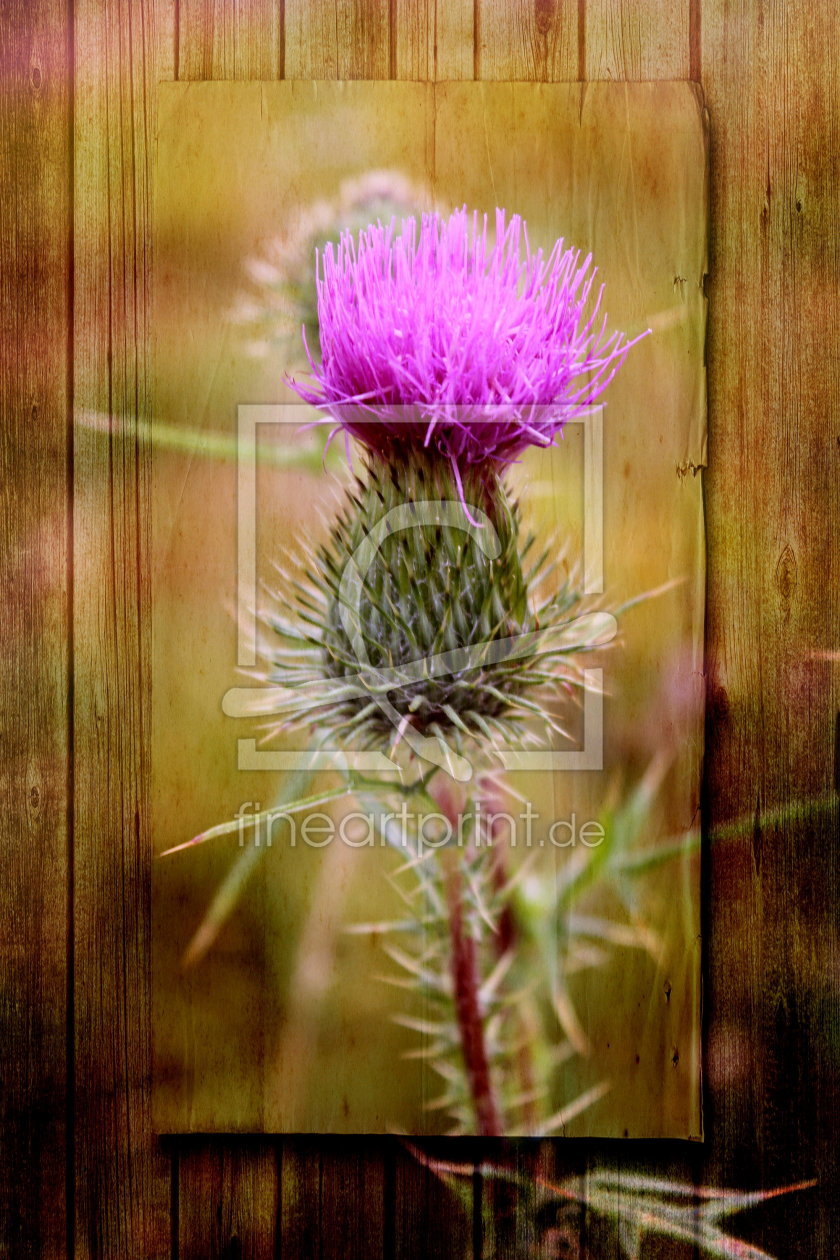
(443, 339)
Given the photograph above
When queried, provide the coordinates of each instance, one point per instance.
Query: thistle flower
(418, 623)
(439, 338)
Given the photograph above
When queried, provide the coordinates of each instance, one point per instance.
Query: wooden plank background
(82, 1173)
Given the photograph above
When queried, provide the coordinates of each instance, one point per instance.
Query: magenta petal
(437, 334)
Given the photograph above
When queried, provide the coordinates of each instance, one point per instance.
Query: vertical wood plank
(228, 1200)
(454, 39)
(771, 78)
(413, 50)
(352, 1199)
(122, 1199)
(220, 40)
(632, 41)
(228, 1192)
(432, 40)
(35, 271)
(333, 1193)
(430, 1218)
(337, 39)
(334, 1198)
(536, 41)
(300, 1186)
(625, 41)
(511, 1225)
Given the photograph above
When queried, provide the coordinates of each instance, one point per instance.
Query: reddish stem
(465, 979)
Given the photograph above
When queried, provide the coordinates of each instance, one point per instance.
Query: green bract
(419, 619)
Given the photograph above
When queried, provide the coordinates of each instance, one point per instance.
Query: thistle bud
(418, 621)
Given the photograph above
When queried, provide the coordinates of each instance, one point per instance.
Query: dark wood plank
(300, 1184)
(511, 1226)
(352, 1198)
(122, 1179)
(771, 78)
(335, 1198)
(432, 1216)
(227, 1199)
(35, 184)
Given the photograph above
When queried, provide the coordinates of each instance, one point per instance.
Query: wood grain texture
(432, 42)
(626, 40)
(771, 78)
(511, 1222)
(34, 663)
(333, 1198)
(122, 1180)
(227, 1200)
(429, 1215)
(538, 41)
(535, 40)
(333, 1202)
(337, 39)
(220, 40)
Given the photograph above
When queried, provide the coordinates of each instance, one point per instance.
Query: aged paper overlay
(269, 1015)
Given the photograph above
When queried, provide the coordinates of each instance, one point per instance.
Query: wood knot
(544, 17)
(34, 794)
(757, 843)
(717, 701)
(786, 574)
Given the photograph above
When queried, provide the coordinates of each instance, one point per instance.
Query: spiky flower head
(417, 623)
(440, 337)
